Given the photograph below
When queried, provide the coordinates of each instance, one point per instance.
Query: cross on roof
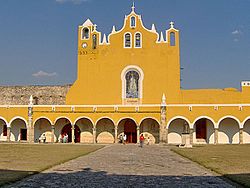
(172, 24)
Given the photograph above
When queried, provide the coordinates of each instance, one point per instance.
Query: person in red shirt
(141, 140)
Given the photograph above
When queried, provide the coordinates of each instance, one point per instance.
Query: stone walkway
(126, 166)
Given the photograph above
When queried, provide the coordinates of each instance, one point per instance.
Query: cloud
(236, 40)
(236, 32)
(77, 2)
(44, 74)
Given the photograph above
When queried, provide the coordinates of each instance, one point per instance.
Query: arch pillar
(241, 135)
(162, 131)
(52, 133)
(116, 133)
(8, 133)
(94, 134)
(138, 133)
(216, 135)
(73, 133)
(30, 127)
(191, 132)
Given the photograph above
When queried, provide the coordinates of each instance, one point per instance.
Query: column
(52, 134)
(162, 129)
(30, 129)
(166, 132)
(116, 133)
(73, 134)
(138, 133)
(241, 135)
(216, 136)
(94, 134)
(8, 133)
(191, 136)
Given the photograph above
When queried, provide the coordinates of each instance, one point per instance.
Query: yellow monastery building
(129, 83)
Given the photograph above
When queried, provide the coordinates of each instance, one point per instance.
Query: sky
(38, 38)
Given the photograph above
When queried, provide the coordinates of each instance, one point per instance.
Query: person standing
(124, 138)
(141, 140)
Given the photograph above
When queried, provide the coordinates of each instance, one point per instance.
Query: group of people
(63, 138)
(123, 139)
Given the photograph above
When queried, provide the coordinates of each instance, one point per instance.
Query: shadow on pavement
(89, 178)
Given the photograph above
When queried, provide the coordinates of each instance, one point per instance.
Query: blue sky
(38, 38)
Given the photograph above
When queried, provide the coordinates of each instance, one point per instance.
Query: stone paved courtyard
(126, 166)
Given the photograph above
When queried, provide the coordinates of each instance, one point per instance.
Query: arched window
(127, 40)
(137, 40)
(132, 22)
(94, 38)
(85, 33)
(172, 39)
(132, 84)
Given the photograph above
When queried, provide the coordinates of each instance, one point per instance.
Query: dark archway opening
(130, 131)
(201, 129)
(67, 129)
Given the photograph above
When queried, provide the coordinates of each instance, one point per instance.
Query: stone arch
(150, 127)
(3, 129)
(127, 126)
(43, 125)
(204, 130)
(105, 130)
(86, 126)
(246, 130)
(176, 126)
(18, 129)
(59, 124)
(228, 133)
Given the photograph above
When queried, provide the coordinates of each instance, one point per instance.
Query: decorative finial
(113, 29)
(95, 27)
(104, 40)
(163, 100)
(133, 7)
(31, 100)
(162, 38)
(171, 24)
(153, 28)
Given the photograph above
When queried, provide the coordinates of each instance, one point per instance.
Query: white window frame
(135, 40)
(140, 81)
(82, 33)
(124, 40)
(131, 22)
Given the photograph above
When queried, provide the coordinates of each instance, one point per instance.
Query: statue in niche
(132, 78)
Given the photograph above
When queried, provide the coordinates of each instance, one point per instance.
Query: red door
(130, 131)
(201, 129)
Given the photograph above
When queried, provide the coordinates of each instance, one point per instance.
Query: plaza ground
(127, 165)
(20, 160)
(231, 161)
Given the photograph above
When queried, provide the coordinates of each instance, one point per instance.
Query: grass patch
(231, 161)
(20, 160)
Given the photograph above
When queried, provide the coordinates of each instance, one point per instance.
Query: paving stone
(126, 166)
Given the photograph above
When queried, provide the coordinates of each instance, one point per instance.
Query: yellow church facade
(129, 83)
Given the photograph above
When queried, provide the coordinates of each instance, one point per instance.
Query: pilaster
(241, 136)
(52, 133)
(216, 136)
(116, 133)
(8, 133)
(191, 136)
(30, 129)
(73, 133)
(94, 134)
(138, 133)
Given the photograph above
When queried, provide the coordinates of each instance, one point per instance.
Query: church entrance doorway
(130, 131)
(67, 130)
